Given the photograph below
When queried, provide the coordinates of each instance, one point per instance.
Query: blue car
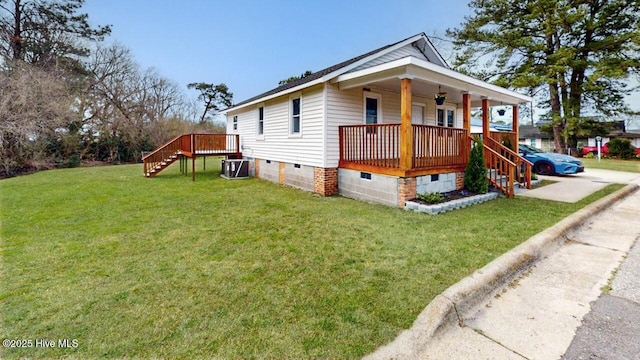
(545, 163)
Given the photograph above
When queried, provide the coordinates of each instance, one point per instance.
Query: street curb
(461, 299)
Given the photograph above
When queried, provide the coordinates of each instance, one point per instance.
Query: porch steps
(161, 166)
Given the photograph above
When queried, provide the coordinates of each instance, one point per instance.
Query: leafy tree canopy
(214, 97)
(46, 32)
(576, 56)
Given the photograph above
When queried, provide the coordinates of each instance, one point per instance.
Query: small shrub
(621, 148)
(475, 174)
(589, 155)
(431, 198)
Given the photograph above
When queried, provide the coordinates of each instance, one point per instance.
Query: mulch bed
(449, 196)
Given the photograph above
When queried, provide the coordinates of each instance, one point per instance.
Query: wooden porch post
(193, 157)
(515, 126)
(485, 119)
(406, 131)
(466, 112)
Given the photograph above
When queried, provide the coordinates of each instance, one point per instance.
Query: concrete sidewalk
(536, 315)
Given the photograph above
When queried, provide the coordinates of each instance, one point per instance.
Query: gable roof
(340, 68)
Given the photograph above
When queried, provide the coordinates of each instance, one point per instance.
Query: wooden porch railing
(377, 148)
(373, 145)
(523, 166)
(501, 137)
(435, 146)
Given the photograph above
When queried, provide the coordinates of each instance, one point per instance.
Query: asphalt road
(611, 330)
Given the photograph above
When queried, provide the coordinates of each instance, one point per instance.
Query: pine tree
(475, 174)
(576, 55)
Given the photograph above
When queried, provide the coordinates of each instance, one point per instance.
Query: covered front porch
(410, 148)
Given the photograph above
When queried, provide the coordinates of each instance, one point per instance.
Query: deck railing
(216, 143)
(375, 145)
(501, 137)
(435, 146)
(378, 146)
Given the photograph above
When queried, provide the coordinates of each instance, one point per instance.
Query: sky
(252, 45)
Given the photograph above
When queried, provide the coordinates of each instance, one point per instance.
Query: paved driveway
(572, 188)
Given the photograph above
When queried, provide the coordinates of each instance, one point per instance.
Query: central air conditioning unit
(235, 169)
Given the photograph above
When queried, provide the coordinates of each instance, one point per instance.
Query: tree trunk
(16, 39)
(556, 117)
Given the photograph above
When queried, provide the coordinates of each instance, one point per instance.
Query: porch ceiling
(426, 79)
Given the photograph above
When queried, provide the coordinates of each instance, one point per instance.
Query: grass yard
(169, 268)
(612, 164)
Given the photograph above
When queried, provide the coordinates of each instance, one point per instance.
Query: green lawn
(612, 164)
(169, 268)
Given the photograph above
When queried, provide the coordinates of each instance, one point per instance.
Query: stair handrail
(161, 155)
(162, 147)
(518, 160)
(504, 167)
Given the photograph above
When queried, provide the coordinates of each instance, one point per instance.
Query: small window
(435, 177)
(371, 111)
(261, 120)
(446, 116)
(295, 116)
(235, 122)
(440, 117)
(534, 143)
(365, 175)
(450, 117)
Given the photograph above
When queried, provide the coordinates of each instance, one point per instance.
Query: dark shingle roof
(532, 132)
(317, 74)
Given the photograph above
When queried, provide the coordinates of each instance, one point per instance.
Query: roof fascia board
(428, 71)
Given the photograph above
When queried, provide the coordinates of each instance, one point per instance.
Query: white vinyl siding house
(277, 142)
(303, 149)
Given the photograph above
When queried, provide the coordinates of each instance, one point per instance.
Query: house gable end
(420, 49)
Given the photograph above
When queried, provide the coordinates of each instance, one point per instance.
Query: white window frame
(260, 136)
(446, 108)
(292, 97)
(371, 95)
(424, 112)
(234, 124)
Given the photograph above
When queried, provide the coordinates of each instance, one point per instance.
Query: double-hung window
(372, 111)
(235, 122)
(296, 119)
(260, 120)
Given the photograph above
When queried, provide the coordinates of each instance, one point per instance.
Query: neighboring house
(618, 130)
(531, 135)
(369, 128)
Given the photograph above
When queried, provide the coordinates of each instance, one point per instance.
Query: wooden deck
(190, 146)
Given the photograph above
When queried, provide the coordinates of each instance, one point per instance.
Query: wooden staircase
(190, 146)
(506, 168)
